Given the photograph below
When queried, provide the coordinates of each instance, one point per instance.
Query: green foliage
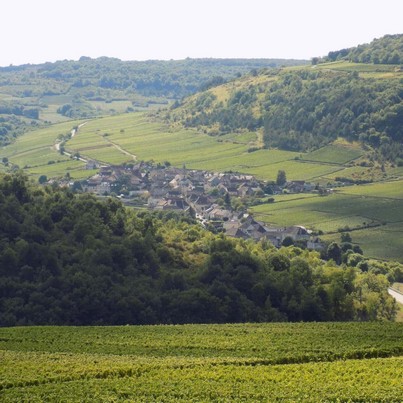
(34, 95)
(373, 211)
(42, 179)
(304, 110)
(70, 259)
(281, 178)
(385, 50)
(244, 362)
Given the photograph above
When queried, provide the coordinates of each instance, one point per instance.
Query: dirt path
(73, 133)
(118, 147)
(396, 295)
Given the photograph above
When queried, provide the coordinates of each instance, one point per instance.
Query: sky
(37, 31)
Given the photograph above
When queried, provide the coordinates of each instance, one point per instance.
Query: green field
(35, 152)
(373, 212)
(242, 362)
(334, 154)
(122, 138)
(153, 141)
(377, 70)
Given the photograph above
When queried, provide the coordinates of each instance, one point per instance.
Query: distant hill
(385, 50)
(303, 108)
(32, 95)
(157, 78)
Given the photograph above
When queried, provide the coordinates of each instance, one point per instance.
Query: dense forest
(385, 50)
(303, 109)
(167, 79)
(67, 258)
(312, 108)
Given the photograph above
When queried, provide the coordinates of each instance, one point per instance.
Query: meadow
(235, 362)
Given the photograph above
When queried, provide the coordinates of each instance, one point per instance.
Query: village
(217, 200)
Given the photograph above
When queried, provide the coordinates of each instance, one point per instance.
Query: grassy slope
(35, 151)
(252, 362)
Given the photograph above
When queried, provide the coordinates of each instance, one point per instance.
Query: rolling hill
(304, 108)
(36, 95)
(385, 50)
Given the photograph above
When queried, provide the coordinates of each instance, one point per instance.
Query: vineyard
(240, 362)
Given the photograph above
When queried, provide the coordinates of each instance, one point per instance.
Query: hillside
(33, 95)
(301, 109)
(360, 362)
(385, 50)
(72, 259)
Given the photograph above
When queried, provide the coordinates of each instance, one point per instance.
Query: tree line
(385, 50)
(71, 259)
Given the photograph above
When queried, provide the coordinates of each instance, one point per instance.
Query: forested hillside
(385, 50)
(302, 109)
(35, 94)
(71, 259)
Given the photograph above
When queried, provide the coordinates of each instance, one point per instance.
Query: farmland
(373, 212)
(35, 152)
(254, 362)
(122, 138)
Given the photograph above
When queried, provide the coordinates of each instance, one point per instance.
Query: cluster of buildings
(208, 196)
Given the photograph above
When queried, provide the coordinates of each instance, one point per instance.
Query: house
(309, 187)
(215, 212)
(295, 186)
(105, 171)
(235, 232)
(213, 181)
(170, 203)
(92, 165)
(199, 203)
(296, 232)
(315, 244)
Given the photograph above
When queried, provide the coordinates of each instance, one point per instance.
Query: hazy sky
(35, 31)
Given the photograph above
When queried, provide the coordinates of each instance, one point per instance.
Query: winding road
(73, 133)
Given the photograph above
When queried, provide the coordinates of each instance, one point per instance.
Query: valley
(117, 139)
(184, 218)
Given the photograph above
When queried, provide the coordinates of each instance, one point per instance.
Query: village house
(191, 190)
(315, 244)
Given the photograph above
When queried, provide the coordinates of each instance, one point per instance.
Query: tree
(287, 241)
(42, 179)
(227, 200)
(281, 178)
(334, 252)
(345, 237)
